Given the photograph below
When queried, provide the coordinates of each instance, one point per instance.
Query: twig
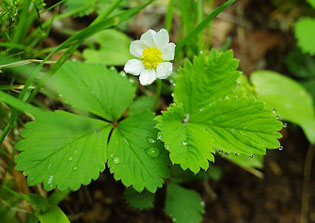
(306, 184)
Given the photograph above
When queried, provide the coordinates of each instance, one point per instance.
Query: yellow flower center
(151, 57)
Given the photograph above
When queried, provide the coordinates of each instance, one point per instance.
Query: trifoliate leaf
(291, 101)
(305, 34)
(183, 205)
(205, 80)
(205, 117)
(141, 104)
(134, 155)
(62, 150)
(142, 200)
(94, 88)
(113, 48)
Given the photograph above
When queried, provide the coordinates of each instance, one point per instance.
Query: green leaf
(305, 34)
(94, 88)
(232, 125)
(135, 157)
(289, 98)
(142, 200)
(113, 48)
(62, 150)
(312, 3)
(52, 215)
(245, 161)
(183, 205)
(141, 104)
(208, 78)
(188, 143)
(205, 117)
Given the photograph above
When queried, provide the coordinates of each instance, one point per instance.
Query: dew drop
(285, 125)
(151, 140)
(75, 168)
(236, 154)
(251, 156)
(274, 111)
(50, 180)
(227, 97)
(167, 146)
(281, 148)
(277, 117)
(159, 136)
(116, 160)
(32, 179)
(70, 158)
(184, 143)
(153, 152)
(202, 203)
(186, 119)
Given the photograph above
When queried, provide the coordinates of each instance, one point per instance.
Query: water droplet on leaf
(285, 125)
(281, 148)
(116, 160)
(70, 158)
(184, 143)
(153, 152)
(75, 168)
(251, 156)
(151, 140)
(274, 111)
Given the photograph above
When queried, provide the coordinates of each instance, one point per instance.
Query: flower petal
(169, 52)
(161, 39)
(147, 77)
(134, 67)
(147, 38)
(136, 48)
(164, 70)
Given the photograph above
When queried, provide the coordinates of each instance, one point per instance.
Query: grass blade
(202, 25)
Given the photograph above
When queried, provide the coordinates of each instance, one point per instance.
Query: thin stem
(158, 93)
(306, 184)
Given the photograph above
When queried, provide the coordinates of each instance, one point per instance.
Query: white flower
(154, 51)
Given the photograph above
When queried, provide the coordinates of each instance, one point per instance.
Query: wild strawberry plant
(213, 110)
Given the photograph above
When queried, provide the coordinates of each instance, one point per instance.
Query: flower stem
(158, 93)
